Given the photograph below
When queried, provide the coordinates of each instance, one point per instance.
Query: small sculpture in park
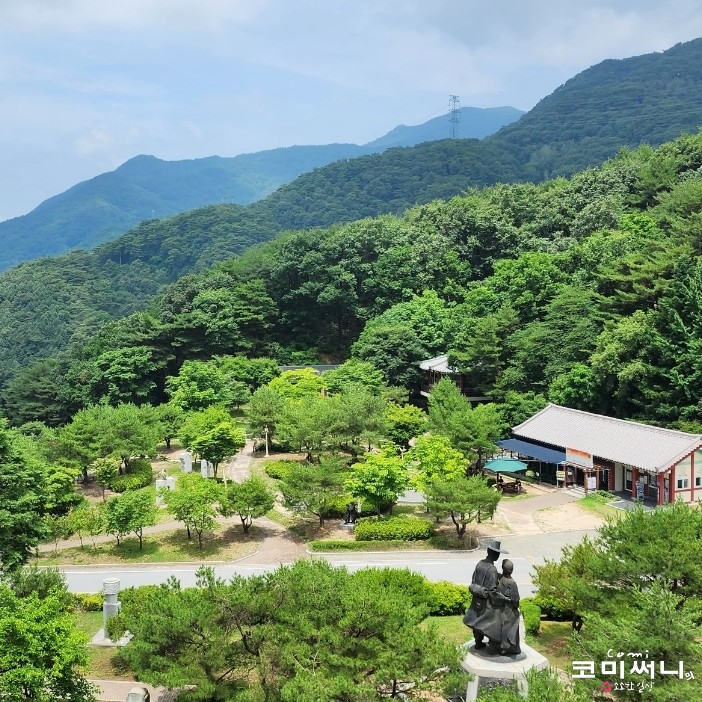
(351, 514)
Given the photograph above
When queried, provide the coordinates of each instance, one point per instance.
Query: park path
(546, 512)
(239, 467)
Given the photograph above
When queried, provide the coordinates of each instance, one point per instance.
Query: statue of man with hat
(484, 616)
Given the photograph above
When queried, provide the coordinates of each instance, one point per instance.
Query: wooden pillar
(661, 488)
(610, 478)
(671, 492)
(692, 476)
(634, 480)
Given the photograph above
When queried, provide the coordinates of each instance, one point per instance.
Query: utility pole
(454, 114)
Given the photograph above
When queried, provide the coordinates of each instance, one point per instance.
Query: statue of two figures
(494, 610)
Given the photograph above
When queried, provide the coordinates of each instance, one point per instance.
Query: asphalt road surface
(524, 552)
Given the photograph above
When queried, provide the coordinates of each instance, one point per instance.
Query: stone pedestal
(491, 671)
(206, 469)
(186, 462)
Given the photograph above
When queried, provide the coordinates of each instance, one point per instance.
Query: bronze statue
(483, 616)
(508, 604)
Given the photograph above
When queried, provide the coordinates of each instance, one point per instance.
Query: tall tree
(130, 512)
(23, 503)
(41, 651)
(379, 480)
(249, 499)
(432, 457)
(219, 441)
(193, 503)
(463, 499)
(315, 488)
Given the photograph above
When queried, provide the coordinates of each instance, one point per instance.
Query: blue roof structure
(526, 448)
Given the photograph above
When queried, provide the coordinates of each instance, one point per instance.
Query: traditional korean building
(434, 369)
(638, 460)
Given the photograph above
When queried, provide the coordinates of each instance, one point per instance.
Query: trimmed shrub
(88, 602)
(447, 598)
(532, 615)
(139, 476)
(415, 587)
(552, 608)
(393, 528)
(280, 469)
(338, 507)
(344, 545)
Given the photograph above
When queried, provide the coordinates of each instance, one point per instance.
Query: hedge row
(139, 476)
(393, 529)
(331, 545)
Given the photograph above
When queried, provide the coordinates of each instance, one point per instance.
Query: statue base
(101, 639)
(490, 671)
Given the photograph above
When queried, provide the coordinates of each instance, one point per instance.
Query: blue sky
(87, 84)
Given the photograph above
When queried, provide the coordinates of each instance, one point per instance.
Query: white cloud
(91, 83)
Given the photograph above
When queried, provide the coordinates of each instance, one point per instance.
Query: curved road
(525, 551)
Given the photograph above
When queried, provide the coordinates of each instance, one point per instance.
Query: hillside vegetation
(145, 187)
(584, 291)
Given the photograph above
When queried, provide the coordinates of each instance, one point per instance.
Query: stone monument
(494, 615)
(186, 462)
(111, 603)
(206, 469)
(163, 483)
(139, 694)
(110, 607)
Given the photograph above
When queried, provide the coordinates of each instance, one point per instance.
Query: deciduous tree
(248, 500)
(130, 512)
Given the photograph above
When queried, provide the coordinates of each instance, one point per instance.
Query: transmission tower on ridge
(454, 114)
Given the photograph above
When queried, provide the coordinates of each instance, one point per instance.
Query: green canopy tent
(505, 465)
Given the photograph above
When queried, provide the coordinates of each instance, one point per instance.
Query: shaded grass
(163, 547)
(552, 641)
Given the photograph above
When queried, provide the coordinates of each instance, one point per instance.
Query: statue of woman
(507, 600)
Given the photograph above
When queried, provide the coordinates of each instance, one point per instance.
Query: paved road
(525, 551)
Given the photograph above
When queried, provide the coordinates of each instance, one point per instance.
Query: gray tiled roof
(438, 364)
(641, 445)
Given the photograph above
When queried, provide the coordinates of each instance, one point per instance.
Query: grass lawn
(164, 547)
(596, 504)
(103, 662)
(450, 629)
(552, 642)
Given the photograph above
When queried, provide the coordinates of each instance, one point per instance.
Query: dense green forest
(145, 187)
(584, 291)
(43, 304)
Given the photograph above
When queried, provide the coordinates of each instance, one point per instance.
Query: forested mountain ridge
(586, 292)
(146, 187)
(644, 99)
(648, 99)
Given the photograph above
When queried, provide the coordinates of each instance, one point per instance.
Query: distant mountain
(473, 123)
(46, 303)
(146, 187)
